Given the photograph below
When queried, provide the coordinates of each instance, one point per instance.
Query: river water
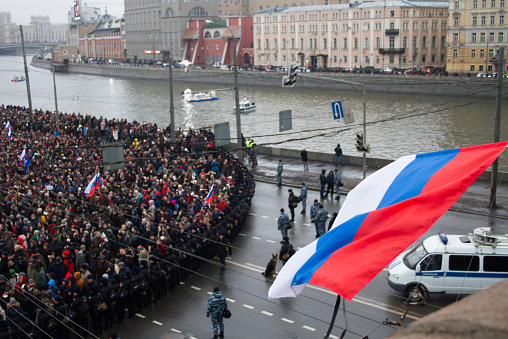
(398, 124)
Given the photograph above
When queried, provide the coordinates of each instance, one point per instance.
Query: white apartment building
(9, 32)
(401, 34)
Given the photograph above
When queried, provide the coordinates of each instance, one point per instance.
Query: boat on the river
(200, 96)
(246, 105)
(18, 78)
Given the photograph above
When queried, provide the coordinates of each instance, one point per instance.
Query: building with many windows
(400, 34)
(476, 28)
(104, 41)
(9, 32)
(160, 24)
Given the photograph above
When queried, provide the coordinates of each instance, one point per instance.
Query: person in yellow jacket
(135, 143)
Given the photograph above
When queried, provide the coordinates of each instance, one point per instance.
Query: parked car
(224, 68)
(333, 69)
(246, 67)
(195, 67)
(481, 75)
(386, 70)
(303, 69)
(320, 69)
(217, 65)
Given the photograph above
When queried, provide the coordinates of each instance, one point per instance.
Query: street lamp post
(237, 98)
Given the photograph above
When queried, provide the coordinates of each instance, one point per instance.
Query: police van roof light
(443, 237)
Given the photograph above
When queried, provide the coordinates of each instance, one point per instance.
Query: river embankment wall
(427, 85)
(372, 163)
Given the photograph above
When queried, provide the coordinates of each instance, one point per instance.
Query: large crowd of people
(70, 264)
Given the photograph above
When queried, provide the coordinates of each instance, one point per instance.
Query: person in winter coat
(283, 223)
(222, 251)
(320, 221)
(322, 182)
(303, 197)
(329, 184)
(280, 168)
(217, 304)
(337, 181)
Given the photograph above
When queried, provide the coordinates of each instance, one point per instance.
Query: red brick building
(207, 43)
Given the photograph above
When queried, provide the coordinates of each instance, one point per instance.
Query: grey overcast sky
(22, 10)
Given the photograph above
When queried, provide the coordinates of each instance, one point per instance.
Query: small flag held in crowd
(94, 184)
(23, 160)
(209, 198)
(9, 130)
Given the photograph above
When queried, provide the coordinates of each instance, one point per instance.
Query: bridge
(16, 48)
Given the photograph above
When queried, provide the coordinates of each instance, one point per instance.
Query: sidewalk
(475, 200)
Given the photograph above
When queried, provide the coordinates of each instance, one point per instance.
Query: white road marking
(288, 320)
(157, 323)
(196, 288)
(243, 235)
(271, 241)
(248, 306)
(333, 336)
(182, 283)
(175, 330)
(309, 328)
(209, 293)
(255, 266)
(257, 238)
(193, 338)
(267, 313)
(231, 300)
(306, 224)
(140, 315)
(252, 214)
(264, 216)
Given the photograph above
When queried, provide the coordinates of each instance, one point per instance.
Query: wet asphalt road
(182, 313)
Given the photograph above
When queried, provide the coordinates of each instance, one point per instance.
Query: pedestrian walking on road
(283, 223)
(292, 203)
(313, 210)
(338, 155)
(303, 197)
(253, 156)
(303, 154)
(280, 168)
(337, 181)
(217, 304)
(320, 221)
(322, 182)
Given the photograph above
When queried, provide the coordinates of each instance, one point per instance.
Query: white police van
(453, 264)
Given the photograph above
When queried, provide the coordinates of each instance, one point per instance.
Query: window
(414, 42)
(495, 263)
(345, 43)
(198, 11)
(474, 21)
(392, 59)
(501, 20)
(424, 58)
(492, 20)
(493, 3)
(392, 43)
(473, 37)
(284, 43)
(356, 43)
(473, 53)
(433, 42)
(432, 263)
(404, 42)
(378, 43)
(483, 20)
(170, 13)
(455, 37)
(392, 13)
(216, 35)
(491, 37)
(475, 4)
(454, 53)
(275, 43)
(471, 68)
(484, 3)
(324, 43)
(500, 37)
(424, 42)
(482, 54)
(267, 44)
(467, 263)
(456, 5)
(455, 20)
(208, 35)
(334, 43)
(259, 43)
(366, 43)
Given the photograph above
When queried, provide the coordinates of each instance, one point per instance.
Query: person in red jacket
(68, 261)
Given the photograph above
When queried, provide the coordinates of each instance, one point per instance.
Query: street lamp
(237, 97)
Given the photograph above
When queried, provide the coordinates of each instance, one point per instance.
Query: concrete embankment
(430, 85)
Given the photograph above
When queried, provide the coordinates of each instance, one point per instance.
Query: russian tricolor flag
(94, 184)
(8, 128)
(381, 217)
(209, 198)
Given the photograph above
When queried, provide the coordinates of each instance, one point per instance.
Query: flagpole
(332, 321)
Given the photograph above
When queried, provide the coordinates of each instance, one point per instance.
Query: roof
(234, 29)
(365, 5)
(191, 34)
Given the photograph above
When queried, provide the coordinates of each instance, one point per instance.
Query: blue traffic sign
(338, 113)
